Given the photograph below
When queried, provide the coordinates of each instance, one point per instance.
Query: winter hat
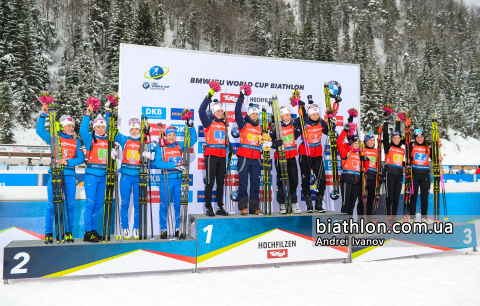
(313, 108)
(352, 139)
(252, 108)
(368, 136)
(99, 121)
(215, 106)
(134, 123)
(171, 129)
(284, 110)
(66, 119)
(394, 133)
(418, 132)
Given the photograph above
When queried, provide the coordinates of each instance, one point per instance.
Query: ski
(335, 194)
(436, 170)
(408, 172)
(143, 180)
(185, 181)
(267, 166)
(228, 174)
(296, 94)
(110, 179)
(58, 177)
(379, 178)
(282, 158)
(363, 180)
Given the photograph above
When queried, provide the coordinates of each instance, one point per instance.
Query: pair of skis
(228, 172)
(111, 179)
(379, 179)
(144, 182)
(335, 194)
(60, 203)
(437, 174)
(408, 189)
(267, 166)
(282, 158)
(185, 182)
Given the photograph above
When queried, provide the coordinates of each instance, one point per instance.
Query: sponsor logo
(176, 114)
(154, 130)
(228, 98)
(190, 180)
(201, 147)
(156, 73)
(155, 112)
(233, 180)
(201, 164)
(233, 164)
(201, 196)
(235, 146)
(180, 129)
(156, 86)
(154, 195)
(146, 85)
(201, 131)
(339, 120)
(283, 253)
(231, 117)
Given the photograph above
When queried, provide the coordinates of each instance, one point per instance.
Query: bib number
(102, 153)
(133, 154)
(398, 158)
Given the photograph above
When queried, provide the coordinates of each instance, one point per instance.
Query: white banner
(161, 82)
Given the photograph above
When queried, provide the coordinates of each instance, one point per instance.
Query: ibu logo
(155, 112)
(156, 73)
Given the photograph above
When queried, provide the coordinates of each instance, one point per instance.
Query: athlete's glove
(180, 168)
(114, 153)
(242, 92)
(148, 155)
(364, 158)
(267, 145)
(346, 128)
(190, 123)
(230, 154)
(301, 103)
(107, 107)
(278, 143)
(210, 93)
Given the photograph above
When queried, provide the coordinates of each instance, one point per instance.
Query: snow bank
(460, 151)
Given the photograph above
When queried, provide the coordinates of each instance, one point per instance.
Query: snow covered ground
(442, 279)
(460, 151)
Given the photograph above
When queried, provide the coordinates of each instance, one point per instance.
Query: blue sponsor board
(180, 129)
(176, 114)
(328, 165)
(155, 112)
(201, 147)
(201, 196)
(201, 132)
(312, 193)
(155, 179)
(190, 180)
(16, 179)
(190, 196)
(233, 164)
(235, 146)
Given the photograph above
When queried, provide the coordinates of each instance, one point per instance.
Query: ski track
(441, 279)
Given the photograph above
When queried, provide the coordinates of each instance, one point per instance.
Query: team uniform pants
(95, 193)
(292, 170)
(172, 189)
(69, 194)
(127, 183)
(216, 169)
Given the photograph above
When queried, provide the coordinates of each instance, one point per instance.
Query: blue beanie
(368, 136)
(171, 129)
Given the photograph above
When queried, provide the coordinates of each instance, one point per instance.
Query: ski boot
(126, 234)
(136, 233)
(98, 235)
(295, 209)
(69, 237)
(209, 212)
(308, 201)
(48, 238)
(221, 211)
(91, 237)
(282, 209)
(319, 204)
(177, 233)
(163, 234)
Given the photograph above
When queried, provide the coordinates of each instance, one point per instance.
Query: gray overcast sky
(469, 2)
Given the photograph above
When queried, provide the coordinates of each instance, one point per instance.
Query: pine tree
(144, 28)
(215, 42)
(100, 15)
(159, 17)
(6, 117)
(181, 36)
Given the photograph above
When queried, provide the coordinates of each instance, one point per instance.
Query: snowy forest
(421, 56)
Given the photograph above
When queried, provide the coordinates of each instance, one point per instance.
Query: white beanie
(66, 120)
(134, 123)
(313, 108)
(215, 106)
(99, 121)
(253, 109)
(285, 110)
